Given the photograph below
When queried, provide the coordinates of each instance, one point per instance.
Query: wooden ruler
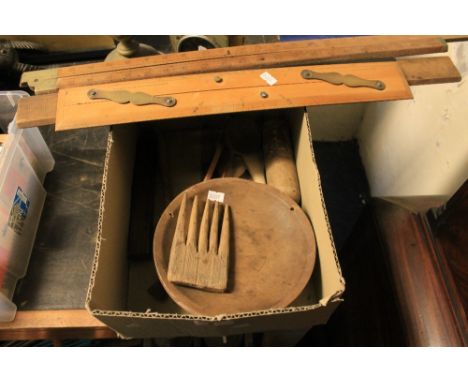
(41, 110)
(306, 52)
(239, 91)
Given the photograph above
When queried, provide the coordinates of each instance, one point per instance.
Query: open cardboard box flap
(108, 295)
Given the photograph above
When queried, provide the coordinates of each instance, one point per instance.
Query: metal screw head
(218, 79)
(380, 85)
(264, 94)
(170, 101)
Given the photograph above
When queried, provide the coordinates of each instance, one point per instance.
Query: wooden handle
(214, 161)
(254, 164)
(280, 168)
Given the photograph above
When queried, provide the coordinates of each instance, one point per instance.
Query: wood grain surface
(36, 111)
(238, 58)
(272, 249)
(54, 324)
(423, 299)
(451, 241)
(280, 168)
(199, 255)
(41, 110)
(346, 48)
(454, 38)
(429, 70)
(238, 92)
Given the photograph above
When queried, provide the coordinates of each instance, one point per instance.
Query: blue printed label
(18, 212)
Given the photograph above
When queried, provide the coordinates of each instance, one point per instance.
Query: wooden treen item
(280, 169)
(272, 249)
(199, 256)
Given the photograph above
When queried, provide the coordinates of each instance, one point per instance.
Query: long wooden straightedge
(309, 52)
(237, 92)
(41, 110)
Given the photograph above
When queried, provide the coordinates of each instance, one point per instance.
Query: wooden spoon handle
(280, 168)
(254, 163)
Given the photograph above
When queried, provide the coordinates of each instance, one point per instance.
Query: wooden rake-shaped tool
(200, 257)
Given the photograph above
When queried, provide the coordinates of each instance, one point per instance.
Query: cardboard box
(118, 292)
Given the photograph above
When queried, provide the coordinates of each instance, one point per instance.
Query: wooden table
(54, 325)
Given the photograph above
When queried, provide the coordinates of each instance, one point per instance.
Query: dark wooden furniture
(450, 233)
(427, 308)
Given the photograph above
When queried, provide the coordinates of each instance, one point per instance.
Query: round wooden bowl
(272, 249)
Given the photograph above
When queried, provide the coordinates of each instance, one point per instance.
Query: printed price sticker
(216, 196)
(268, 78)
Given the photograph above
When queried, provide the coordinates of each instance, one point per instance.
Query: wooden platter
(272, 245)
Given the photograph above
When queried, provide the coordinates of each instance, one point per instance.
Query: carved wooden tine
(193, 224)
(180, 235)
(204, 229)
(199, 261)
(213, 248)
(225, 233)
(177, 257)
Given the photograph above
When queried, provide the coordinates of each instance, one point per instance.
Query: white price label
(216, 196)
(268, 78)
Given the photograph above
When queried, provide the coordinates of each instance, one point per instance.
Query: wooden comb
(200, 257)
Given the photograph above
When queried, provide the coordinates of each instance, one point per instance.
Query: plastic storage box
(25, 160)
